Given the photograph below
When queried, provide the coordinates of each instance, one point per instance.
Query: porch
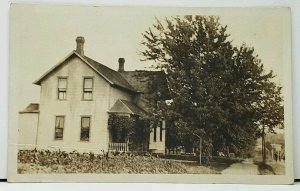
(123, 123)
(118, 147)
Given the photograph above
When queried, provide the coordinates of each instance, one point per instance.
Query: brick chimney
(80, 42)
(121, 64)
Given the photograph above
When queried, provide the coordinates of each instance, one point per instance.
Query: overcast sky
(41, 36)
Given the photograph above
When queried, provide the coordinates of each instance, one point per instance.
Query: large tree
(215, 86)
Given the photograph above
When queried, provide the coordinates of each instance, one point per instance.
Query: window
(154, 134)
(62, 88)
(59, 127)
(161, 130)
(85, 128)
(87, 88)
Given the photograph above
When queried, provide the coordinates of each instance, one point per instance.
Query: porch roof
(31, 108)
(127, 107)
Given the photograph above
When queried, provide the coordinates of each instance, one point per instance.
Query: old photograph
(150, 94)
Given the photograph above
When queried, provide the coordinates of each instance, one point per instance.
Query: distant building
(77, 96)
(274, 147)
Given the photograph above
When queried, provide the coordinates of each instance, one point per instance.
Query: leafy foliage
(121, 127)
(220, 93)
(135, 128)
(45, 161)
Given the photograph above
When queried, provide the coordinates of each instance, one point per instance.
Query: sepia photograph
(150, 94)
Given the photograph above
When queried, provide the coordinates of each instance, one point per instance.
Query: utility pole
(263, 144)
(200, 147)
(200, 150)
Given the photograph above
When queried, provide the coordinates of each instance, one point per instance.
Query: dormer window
(62, 88)
(87, 88)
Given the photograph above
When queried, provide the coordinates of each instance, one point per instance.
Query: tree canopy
(219, 92)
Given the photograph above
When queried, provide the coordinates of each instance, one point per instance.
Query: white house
(77, 96)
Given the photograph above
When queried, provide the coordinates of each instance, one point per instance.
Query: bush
(45, 161)
(183, 157)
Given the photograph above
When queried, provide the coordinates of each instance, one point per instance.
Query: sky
(42, 35)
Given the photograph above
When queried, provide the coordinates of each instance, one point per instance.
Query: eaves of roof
(111, 76)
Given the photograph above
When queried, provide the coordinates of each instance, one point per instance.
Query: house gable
(74, 107)
(110, 76)
(127, 107)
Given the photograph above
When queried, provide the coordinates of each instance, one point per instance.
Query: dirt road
(245, 167)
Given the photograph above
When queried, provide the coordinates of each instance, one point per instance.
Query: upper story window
(59, 127)
(62, 88)
(87, 88)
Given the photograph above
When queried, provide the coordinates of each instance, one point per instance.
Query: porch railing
(119, 147)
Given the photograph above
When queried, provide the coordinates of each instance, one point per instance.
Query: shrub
(45, 161)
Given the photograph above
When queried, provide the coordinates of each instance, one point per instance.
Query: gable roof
(31, 108)
(113, 77)
(127, 107)
(149, 82)
(152, 84)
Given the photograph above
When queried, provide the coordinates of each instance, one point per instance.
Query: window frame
(161, 131)
(58, 91)
(90, 124)
(83, 89)
(64, 118)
